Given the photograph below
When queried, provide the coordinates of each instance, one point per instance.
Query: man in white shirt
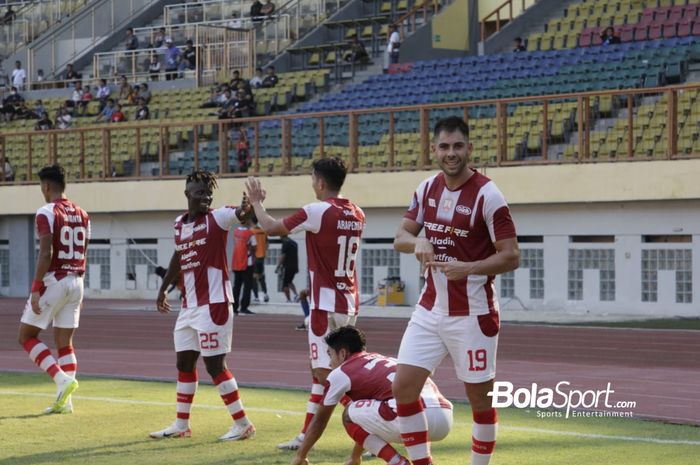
(19, 76)
(392, 48)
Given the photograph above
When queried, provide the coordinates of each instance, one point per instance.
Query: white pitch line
(4, 392)
(112, 400)
(599, 436)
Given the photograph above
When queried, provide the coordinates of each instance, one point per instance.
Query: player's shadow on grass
(23, 417)
(88, 455)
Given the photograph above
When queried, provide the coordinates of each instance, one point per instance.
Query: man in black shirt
(288, 266)
(256, 11)
(190, 55)
(271, 78)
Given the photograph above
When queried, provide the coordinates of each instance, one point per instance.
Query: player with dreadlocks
(205, 322)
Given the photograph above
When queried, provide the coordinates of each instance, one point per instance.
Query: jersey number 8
(74, 239)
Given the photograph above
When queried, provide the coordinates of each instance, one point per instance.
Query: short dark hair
(332, 170)
(348, 338)
(206, 177)
(54, 174)
(519, 40)
(451, 124)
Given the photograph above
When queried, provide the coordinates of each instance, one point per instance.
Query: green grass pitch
(112, 419)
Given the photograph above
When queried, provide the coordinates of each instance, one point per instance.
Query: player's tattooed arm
(245, 210)
(43, 263)
(172, 275)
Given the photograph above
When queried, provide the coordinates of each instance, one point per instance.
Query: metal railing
(502, 15)
(648, 124)
(66, 45)
(217, 49)
(33, 18)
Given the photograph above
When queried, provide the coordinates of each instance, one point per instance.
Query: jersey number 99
(73, 238)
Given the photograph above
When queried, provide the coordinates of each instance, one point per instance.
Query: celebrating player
(63, 229)
(205, 322)
(333, 228)
(370, 419)
(469, 238)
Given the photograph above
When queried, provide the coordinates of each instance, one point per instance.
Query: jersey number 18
(347, 255)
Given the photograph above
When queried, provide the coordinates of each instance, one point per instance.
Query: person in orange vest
(242, 266)
(259, 263)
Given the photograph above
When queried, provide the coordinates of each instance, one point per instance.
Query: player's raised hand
(162, 303)
(453, 270)
(256, 193)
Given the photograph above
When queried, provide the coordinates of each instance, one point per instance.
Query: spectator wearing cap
(172, 56)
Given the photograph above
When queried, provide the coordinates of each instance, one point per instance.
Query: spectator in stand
(132, 42)
(257, 81)
(106, 113)
(256, 11)
(134, 95)
(189, 57)
(70, 74)
(103, 92)
(8, 172)
(11, 105)
(236, 22)
(44, 123)
(159, 38)
(235, 80)
(608, 37)
(40, 75)
(142, 113)
(23, 112)
(124, 89)
(9, 17)
(39, 109)
(228, 107)
(268, 9)
(145, 93)
(271, 78)
(214, 99)
(243, 158)
(154, 67)
(64, 119)
(392, 48)
(172, 59)
(118, 115)
(518, 45)
(19, 76)
(357, 52)
(87, 98)
(76, 98)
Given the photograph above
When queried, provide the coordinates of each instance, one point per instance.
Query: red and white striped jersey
(369, 376)
(462, 225)
(201, 248)
(333, 234)
(70, 227)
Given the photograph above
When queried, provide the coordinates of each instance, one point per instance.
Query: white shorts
(321, 323)
(60, 304)
(379, 418)
(471, 341)
(207, 329)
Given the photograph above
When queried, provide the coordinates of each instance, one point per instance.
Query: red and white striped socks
(312, 405)
(373, 443)
(413, 425)
(41, 355)
(228, 389)
(186, 389)
(484, 430)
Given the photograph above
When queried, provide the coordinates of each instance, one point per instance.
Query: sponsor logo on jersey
(199, 227)
(431, 203)
(443, 241)
(445, 228)
(341, 286)
(464, 210)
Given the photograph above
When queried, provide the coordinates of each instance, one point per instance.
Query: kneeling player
(370, 419)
